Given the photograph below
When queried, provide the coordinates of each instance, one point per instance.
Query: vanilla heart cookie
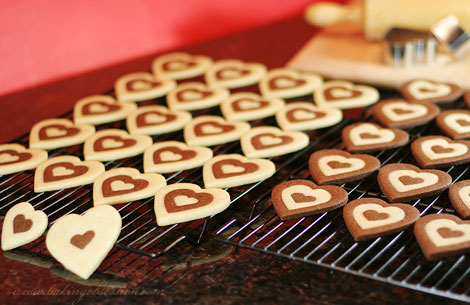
(64, 172)
(233, 170)
(367, 137)
(81, 242)
(56, 133)
(141, 86)
(114, 144)
(427, 91)
(232, 73)
(441, 235)
(173, 156)
(194, 96)
(249, 106)
(288, 83)
(16, 158)
(125, 184)
(406, 182)
(299, 198)
(267, 141)
(101, 109)
(156, 119)
(368, 218)
(208, 130)
(455, 123)
(22, 224)
(179, 65)
(183, 202)
(345, 95)
(398, 113)
(459, 195)
(440, 151)
(334, 166)
(305, 116)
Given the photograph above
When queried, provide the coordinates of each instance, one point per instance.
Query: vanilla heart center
(341, 93)
(433, 226)
(246, 104)
(191, 95)
(302, 115)
(320, 195)
(140, 85)
(412, 111)
(182, 200)
(98, 108)
(427, 179)
(422, 89)
(231, 169)
(62, 171)
(452, 119)
(111, 143)
(268, 140)
(283, 82)
(458, 149)
(464, 194)
(5, 157)
(119, 185)
(395, 215)
(327, 170)
(170, 156)
(154, 118)
(209, 128)
(52, 132)
(383, 135)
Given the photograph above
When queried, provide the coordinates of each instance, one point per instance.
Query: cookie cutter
(451, 35)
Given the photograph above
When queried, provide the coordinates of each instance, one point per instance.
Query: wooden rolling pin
(378, 16)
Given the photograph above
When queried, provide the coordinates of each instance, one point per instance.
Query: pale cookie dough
(183, 202)
(56, 133)
(306, 116)
(232, 73)
(427, 91)
(16, 158)
(81, 242)
(22, 224)
(173, 156)
(179, 65)
(195, 96)
(141, 86)
(64, 172)
(208, 130)
(345, 95)
(114, 144)
(156, 119)
(101, 109)
(267, 141)
(249, 106)
(234, 170)
(125, 184)
(288, 83)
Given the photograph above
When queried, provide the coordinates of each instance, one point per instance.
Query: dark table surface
(232, 275)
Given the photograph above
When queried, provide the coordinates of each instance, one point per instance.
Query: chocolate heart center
(441, 150)
(21, 224)
(463, 122)
(407, 180)
(130, 185)
(60, 131)
(82, 240)
(293, 117)
(449, 233)
(190, 95)
(13, 156)
(244, 168)
(100, 144)
(90, 108)
(329, 93)
(185, 154)
(271, 140)
(400, 111)
(202, 129)
(369, 136)
(202, 198)
(284, 82)
(337, 164)
(77, 170)
(156, 118)
(231, 73)
(372, 215)
(299, 198)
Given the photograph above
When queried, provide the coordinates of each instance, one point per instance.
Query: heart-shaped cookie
(183, 202)
(305, 116)
(288, 83)
(233, 170)
(101, 109)
(440, 151)
(125, 184)
(334, 166)
(232, 73)
(368, 218)
(398, 113)
(459, 195)
(298, 198)
(173, 156)
(64, 172)
(81, 242)
(179, 65)
(345, 95)
(56, 133)
(156, 119)
(114, 144)
(455, 123)
(268, 141)
(441, 235)
(427, 91)
(194, 96)
(248, 106)
(208, 130)
(22, 224)
(16, 158)
(367, 137)
(406, 182)
(141, 86)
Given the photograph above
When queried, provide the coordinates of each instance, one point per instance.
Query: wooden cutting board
(341, 52)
